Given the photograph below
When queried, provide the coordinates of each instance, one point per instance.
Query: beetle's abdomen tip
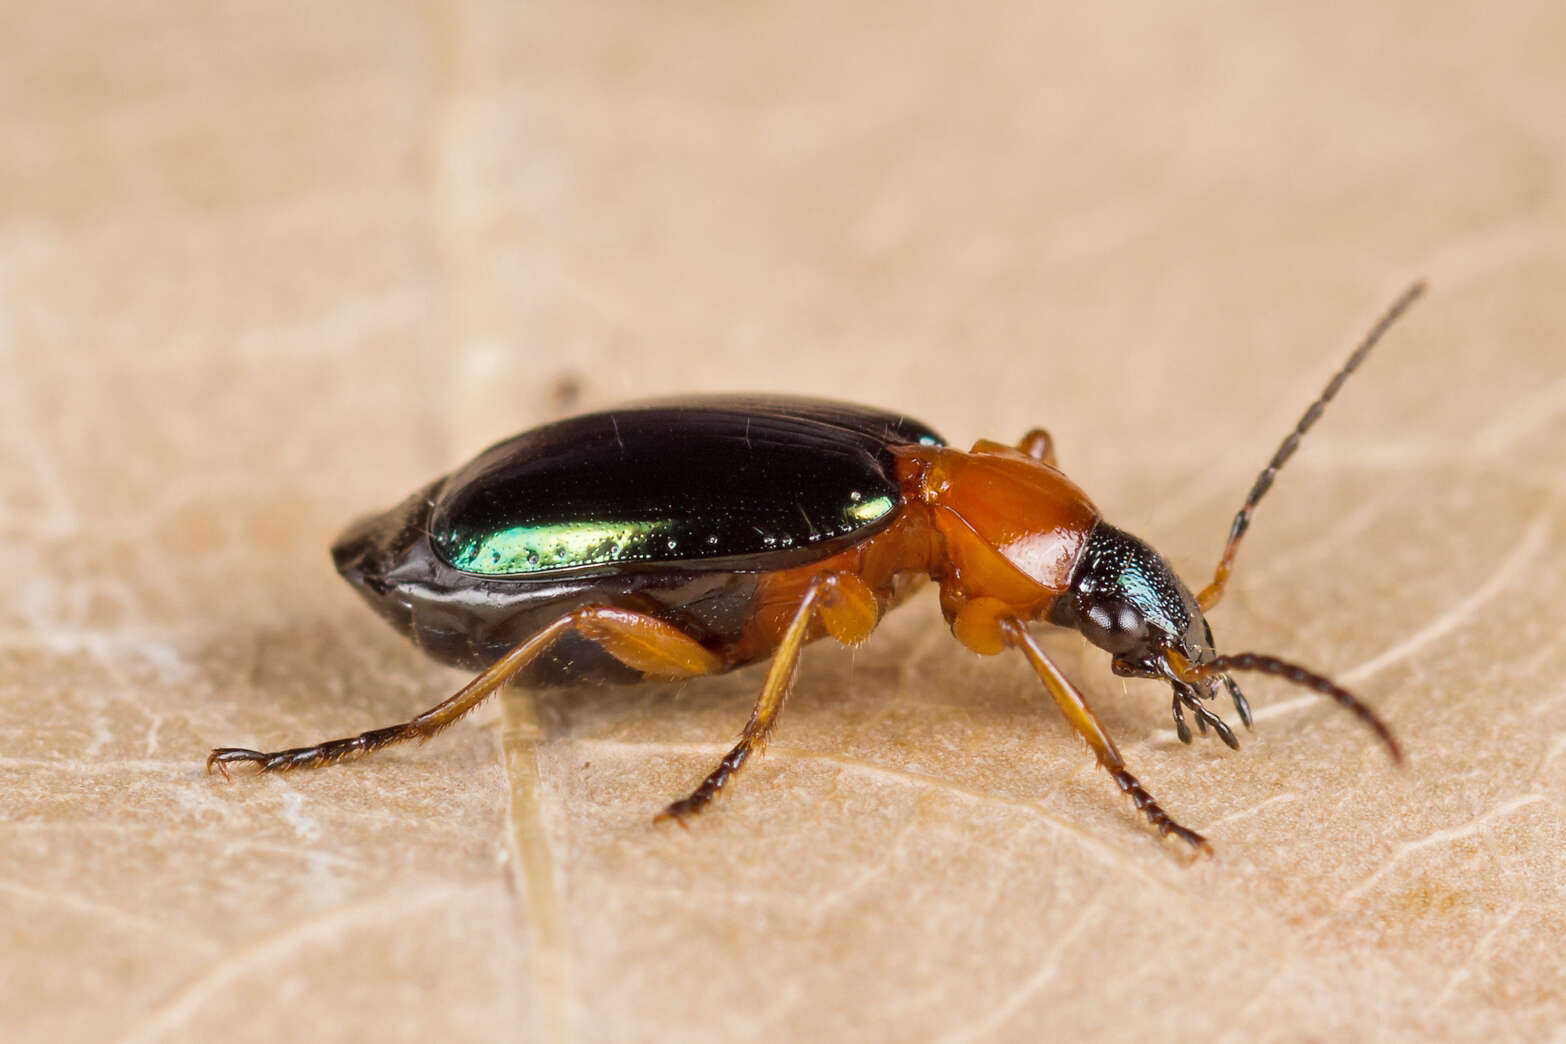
(371, 547)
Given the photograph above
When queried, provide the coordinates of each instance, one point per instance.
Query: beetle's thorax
(1013, 529)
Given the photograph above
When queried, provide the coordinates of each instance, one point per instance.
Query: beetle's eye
(1115, 627)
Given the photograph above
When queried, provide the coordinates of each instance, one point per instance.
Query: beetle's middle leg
(848, 609)
(642, 642)
(1038, 444)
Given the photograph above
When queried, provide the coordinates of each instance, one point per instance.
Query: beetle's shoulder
(721, 482)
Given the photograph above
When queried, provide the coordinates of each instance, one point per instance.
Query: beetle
(678, 539)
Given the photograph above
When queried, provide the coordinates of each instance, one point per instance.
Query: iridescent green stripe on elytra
(561, 545)
(870, 510)
(535, 547)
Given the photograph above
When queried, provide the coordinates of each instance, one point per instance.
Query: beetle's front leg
(849, 610)
(642, 642)
(1081, 718)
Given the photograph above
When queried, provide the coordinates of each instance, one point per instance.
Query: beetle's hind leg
(642, 642)
(849, 611)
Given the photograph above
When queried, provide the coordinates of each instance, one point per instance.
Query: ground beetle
(686, 538)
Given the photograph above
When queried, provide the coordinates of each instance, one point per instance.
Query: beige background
(266, 266)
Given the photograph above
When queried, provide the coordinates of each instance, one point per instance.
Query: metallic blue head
(1126, 600)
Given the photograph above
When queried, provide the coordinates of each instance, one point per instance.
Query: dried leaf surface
(264, 268)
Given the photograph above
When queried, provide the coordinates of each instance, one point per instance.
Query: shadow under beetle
(673, 540)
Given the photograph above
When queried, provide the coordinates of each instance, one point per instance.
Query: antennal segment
(1308, 679)
(1213, 592)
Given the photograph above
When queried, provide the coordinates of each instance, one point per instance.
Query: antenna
(1213, 592)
